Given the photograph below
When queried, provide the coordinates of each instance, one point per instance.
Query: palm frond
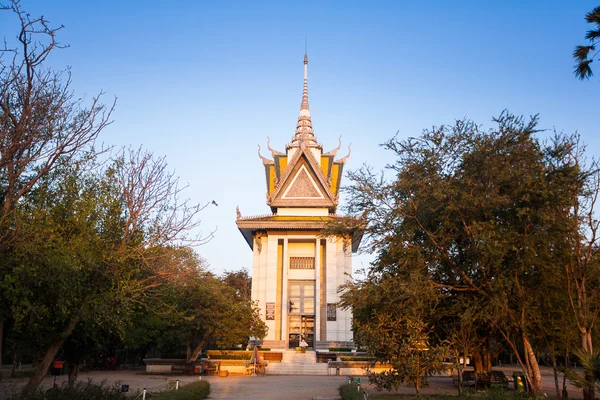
(574, 378)
(590, 363)
(592, 35)
(581, 52)
(593, 16)
(583, 70)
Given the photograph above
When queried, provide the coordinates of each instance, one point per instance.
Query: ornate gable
(303, 184)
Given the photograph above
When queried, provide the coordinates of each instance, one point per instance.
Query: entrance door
(301, 317)
(301, 327)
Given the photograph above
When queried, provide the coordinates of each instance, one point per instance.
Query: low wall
(347, 368)
(164, 366)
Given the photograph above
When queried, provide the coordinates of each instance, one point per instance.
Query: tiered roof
(302, 177)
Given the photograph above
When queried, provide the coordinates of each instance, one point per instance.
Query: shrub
(79, 391)
(194, 391)
(340, 349)
(350, 391)
(357, 358)
(228, 355)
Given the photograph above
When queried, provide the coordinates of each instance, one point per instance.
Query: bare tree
(582, 268)
(42, 124)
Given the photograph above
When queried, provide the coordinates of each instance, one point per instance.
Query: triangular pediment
(303, 185)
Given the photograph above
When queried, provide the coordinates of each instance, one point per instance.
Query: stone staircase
(294, 363)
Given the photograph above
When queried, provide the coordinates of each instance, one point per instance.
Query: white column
(270, 251)
(284, 288)
(317, 334)
(331, 273)
(347, 276)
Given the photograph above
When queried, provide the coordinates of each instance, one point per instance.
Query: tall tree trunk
(487, 360)
(1, 339)
(13, 372)
(73, 373)
(565, 392)
(589, 392)
(586, 340)
(477, 361)
(417, 385)
(555, 370)
(193, 355)
(535, 376)
(44, 365)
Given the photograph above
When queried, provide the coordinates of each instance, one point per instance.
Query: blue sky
(204, 82)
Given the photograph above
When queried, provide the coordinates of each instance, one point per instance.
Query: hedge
(350, 391)
(340, 349)
(194, 391)
(80, 391)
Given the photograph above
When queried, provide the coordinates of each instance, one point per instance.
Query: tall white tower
(296, 270)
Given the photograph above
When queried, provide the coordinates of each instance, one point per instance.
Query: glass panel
(308, 329)
(309, 306)
(294, 324)
(294, 331)
(301, 297)
(309, 290)
(295, 289)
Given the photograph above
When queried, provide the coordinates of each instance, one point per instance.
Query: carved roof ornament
(265, 160)
(334, 151)
(273, 151)
(343, 159)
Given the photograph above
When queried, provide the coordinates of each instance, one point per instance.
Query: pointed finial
(304, 130)
(305, 44)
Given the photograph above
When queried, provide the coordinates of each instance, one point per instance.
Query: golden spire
(304, 131)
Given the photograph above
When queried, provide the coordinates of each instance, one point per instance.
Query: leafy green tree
(392, 315)
(462, 337)
(584, 55)
(93, 244)
(479, 214)
(211, 310)
(239, 280)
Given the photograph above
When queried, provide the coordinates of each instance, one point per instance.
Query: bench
(211, 368)
(337, 365)
(258, 369)
(468, 379)
(186, 369)
(274, 356)
(326, 357)
(493, 379)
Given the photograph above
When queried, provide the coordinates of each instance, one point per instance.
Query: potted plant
(303, 346)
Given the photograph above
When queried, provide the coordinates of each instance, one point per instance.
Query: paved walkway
(270, 387)
(233, 387)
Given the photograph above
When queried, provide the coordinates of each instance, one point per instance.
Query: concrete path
(270, 387)
(233, 387)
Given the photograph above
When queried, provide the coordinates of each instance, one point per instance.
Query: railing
(302, 263)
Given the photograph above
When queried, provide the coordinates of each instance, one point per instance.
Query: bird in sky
(215, 203)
